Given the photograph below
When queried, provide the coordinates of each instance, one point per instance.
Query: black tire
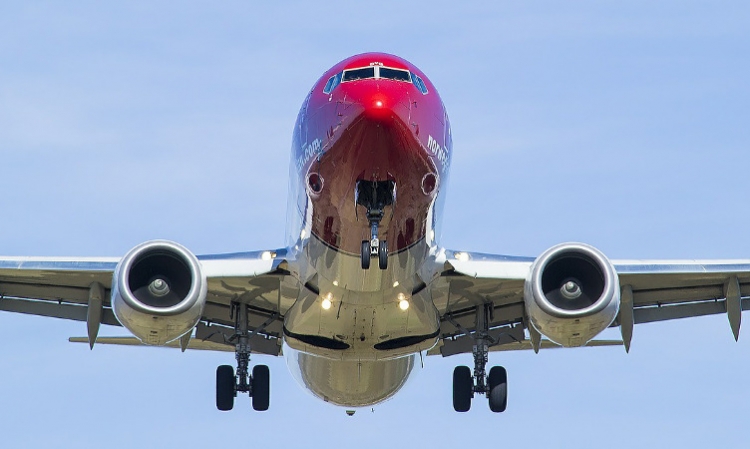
(383, 255)
(463, 384)
(497, 381)
(225, 382)
(261, 388)
(365, 256)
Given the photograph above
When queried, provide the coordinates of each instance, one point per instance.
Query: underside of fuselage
(350, 383)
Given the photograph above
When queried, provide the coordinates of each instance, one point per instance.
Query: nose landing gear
(494, 386)
(375, 195)
(374, 246)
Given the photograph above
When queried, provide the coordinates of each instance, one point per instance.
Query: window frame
(332, 83)
(374, 71)
(338, 78)
(419, 84)
(408, 74)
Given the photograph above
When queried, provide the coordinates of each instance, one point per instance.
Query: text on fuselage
(440, 152)
(307, 152)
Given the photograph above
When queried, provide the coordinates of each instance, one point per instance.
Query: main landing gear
(494, 386)
(375, 195)
(228, 384)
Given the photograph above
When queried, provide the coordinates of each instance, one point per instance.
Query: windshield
(358, 74)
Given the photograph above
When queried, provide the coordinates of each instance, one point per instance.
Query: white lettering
(440, 152)
(308, 152)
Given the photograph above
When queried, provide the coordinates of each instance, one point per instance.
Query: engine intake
(572, 293)
(159, 291)
(159, 279)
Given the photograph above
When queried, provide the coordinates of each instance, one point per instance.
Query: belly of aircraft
(349, 383)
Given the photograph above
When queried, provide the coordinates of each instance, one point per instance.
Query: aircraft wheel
(383, 255)
(261, 388)
(463, 386)
(365, 256)
(225, 382)
(497, 382)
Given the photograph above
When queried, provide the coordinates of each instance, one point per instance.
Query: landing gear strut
(494, 386)
(257, 385)
(374, 246)
(375, 195)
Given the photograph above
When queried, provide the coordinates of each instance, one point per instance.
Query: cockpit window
(358, 74)
(377, 72)
(419, 83)
(395, 74)
(332, 83)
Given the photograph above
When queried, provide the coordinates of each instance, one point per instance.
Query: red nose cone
(377, 107)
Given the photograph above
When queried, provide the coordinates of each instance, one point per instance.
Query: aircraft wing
(651, 290)
(61, 288)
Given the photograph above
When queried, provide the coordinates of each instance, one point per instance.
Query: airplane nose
(381, 101)
(377, 107)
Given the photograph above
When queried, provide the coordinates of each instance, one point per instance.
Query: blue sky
(620, 124)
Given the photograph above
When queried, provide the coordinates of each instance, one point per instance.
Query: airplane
(363, 287)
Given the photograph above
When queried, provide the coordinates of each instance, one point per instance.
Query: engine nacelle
(572, 293)
(159, 291)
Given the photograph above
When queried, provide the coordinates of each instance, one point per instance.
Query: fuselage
(372, 131)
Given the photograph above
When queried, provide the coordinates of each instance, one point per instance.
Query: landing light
(327, 301)
(267, 255)
(336, 283)
(463, 257)
(403, 301)
(395, 284)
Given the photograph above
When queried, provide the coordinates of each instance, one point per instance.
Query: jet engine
(159, 291)
(572, 293)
